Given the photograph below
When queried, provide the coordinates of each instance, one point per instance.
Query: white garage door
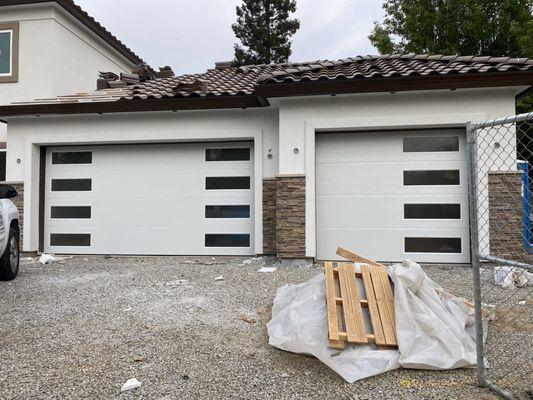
(166, 199)
(392, 196)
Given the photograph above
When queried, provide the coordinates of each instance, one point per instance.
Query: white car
(9, 234)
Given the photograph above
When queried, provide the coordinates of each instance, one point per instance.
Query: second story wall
(57, 55)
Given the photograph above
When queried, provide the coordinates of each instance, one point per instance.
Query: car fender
(9, 213)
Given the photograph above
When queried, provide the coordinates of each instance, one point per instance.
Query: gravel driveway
(81, 328)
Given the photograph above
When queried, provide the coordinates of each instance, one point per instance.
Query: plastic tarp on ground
(433, 331)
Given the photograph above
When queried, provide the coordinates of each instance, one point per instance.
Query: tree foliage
(467, 27)
(264, 28)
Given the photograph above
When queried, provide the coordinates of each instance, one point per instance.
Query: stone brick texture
(505, 216)
(290, 217)
(269, 216)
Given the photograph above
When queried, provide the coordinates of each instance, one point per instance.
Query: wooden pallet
(356, 258)
(346, 306)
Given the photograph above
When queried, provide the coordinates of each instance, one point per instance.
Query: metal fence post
(500, 188)
(474, 250)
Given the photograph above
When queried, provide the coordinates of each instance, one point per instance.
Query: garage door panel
(150, 241)
(389, 244)
(136, 184)
(365, 180)
(347, 211)
(151, 199)
(382, 178)
(372, 146)
(169, 212)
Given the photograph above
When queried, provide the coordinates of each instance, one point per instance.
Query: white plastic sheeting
(433, 331)
(512, 277)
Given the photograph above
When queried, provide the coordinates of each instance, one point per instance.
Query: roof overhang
(519, 79)
(86, 20)
(429, 82)
(123, 106)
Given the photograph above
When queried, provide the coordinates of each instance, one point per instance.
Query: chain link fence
(501, 215)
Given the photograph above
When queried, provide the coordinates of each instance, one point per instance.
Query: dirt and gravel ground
(81, 328)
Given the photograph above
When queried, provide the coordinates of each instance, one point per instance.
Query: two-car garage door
(393, 195)
(150, 199)
(389, 196)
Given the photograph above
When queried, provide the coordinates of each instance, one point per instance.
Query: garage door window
(227, 240)
(418, 178)
(72, 157)
(227, 211)
(432, 211)
(71, 185)
(73, 212)
(231, 154)
(227, 182)
(430, 144)
(70, 239)
(433, 245)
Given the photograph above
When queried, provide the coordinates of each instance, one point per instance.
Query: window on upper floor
(9, 34)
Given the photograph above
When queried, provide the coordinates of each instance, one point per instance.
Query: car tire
(9, 262)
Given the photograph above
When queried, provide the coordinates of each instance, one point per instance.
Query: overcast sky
(191, 35)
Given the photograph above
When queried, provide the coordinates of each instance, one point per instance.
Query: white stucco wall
(57, 55)
(293, 126)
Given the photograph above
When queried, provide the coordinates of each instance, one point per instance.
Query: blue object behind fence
(526, 207)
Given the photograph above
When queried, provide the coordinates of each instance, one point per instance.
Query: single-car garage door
(167, 199)
(393, 195)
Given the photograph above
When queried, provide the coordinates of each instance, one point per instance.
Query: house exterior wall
(301, 118)
(57, 55)
(284, 135)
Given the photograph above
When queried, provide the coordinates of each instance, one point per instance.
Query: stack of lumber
(355, 294)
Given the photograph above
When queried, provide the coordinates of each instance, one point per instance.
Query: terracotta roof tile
(232, 81)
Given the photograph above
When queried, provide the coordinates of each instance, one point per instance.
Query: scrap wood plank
(353, 314)
(372, 306)
(469, 304)
(332, 304)
(352, 256)
(385, 304)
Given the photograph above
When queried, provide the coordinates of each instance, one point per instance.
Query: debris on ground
(512, 277)
(251, 260)
(360, 324)
(247, 318)
(49, 259)
(130, 384)
(219, 278)
(178, 282)
(267, 269)
(46, 259)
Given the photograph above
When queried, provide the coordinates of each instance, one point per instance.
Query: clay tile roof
(400, 66)
(226, 80)
(78, 13)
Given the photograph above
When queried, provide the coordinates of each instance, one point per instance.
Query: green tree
(467, 27)
(264, 28)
